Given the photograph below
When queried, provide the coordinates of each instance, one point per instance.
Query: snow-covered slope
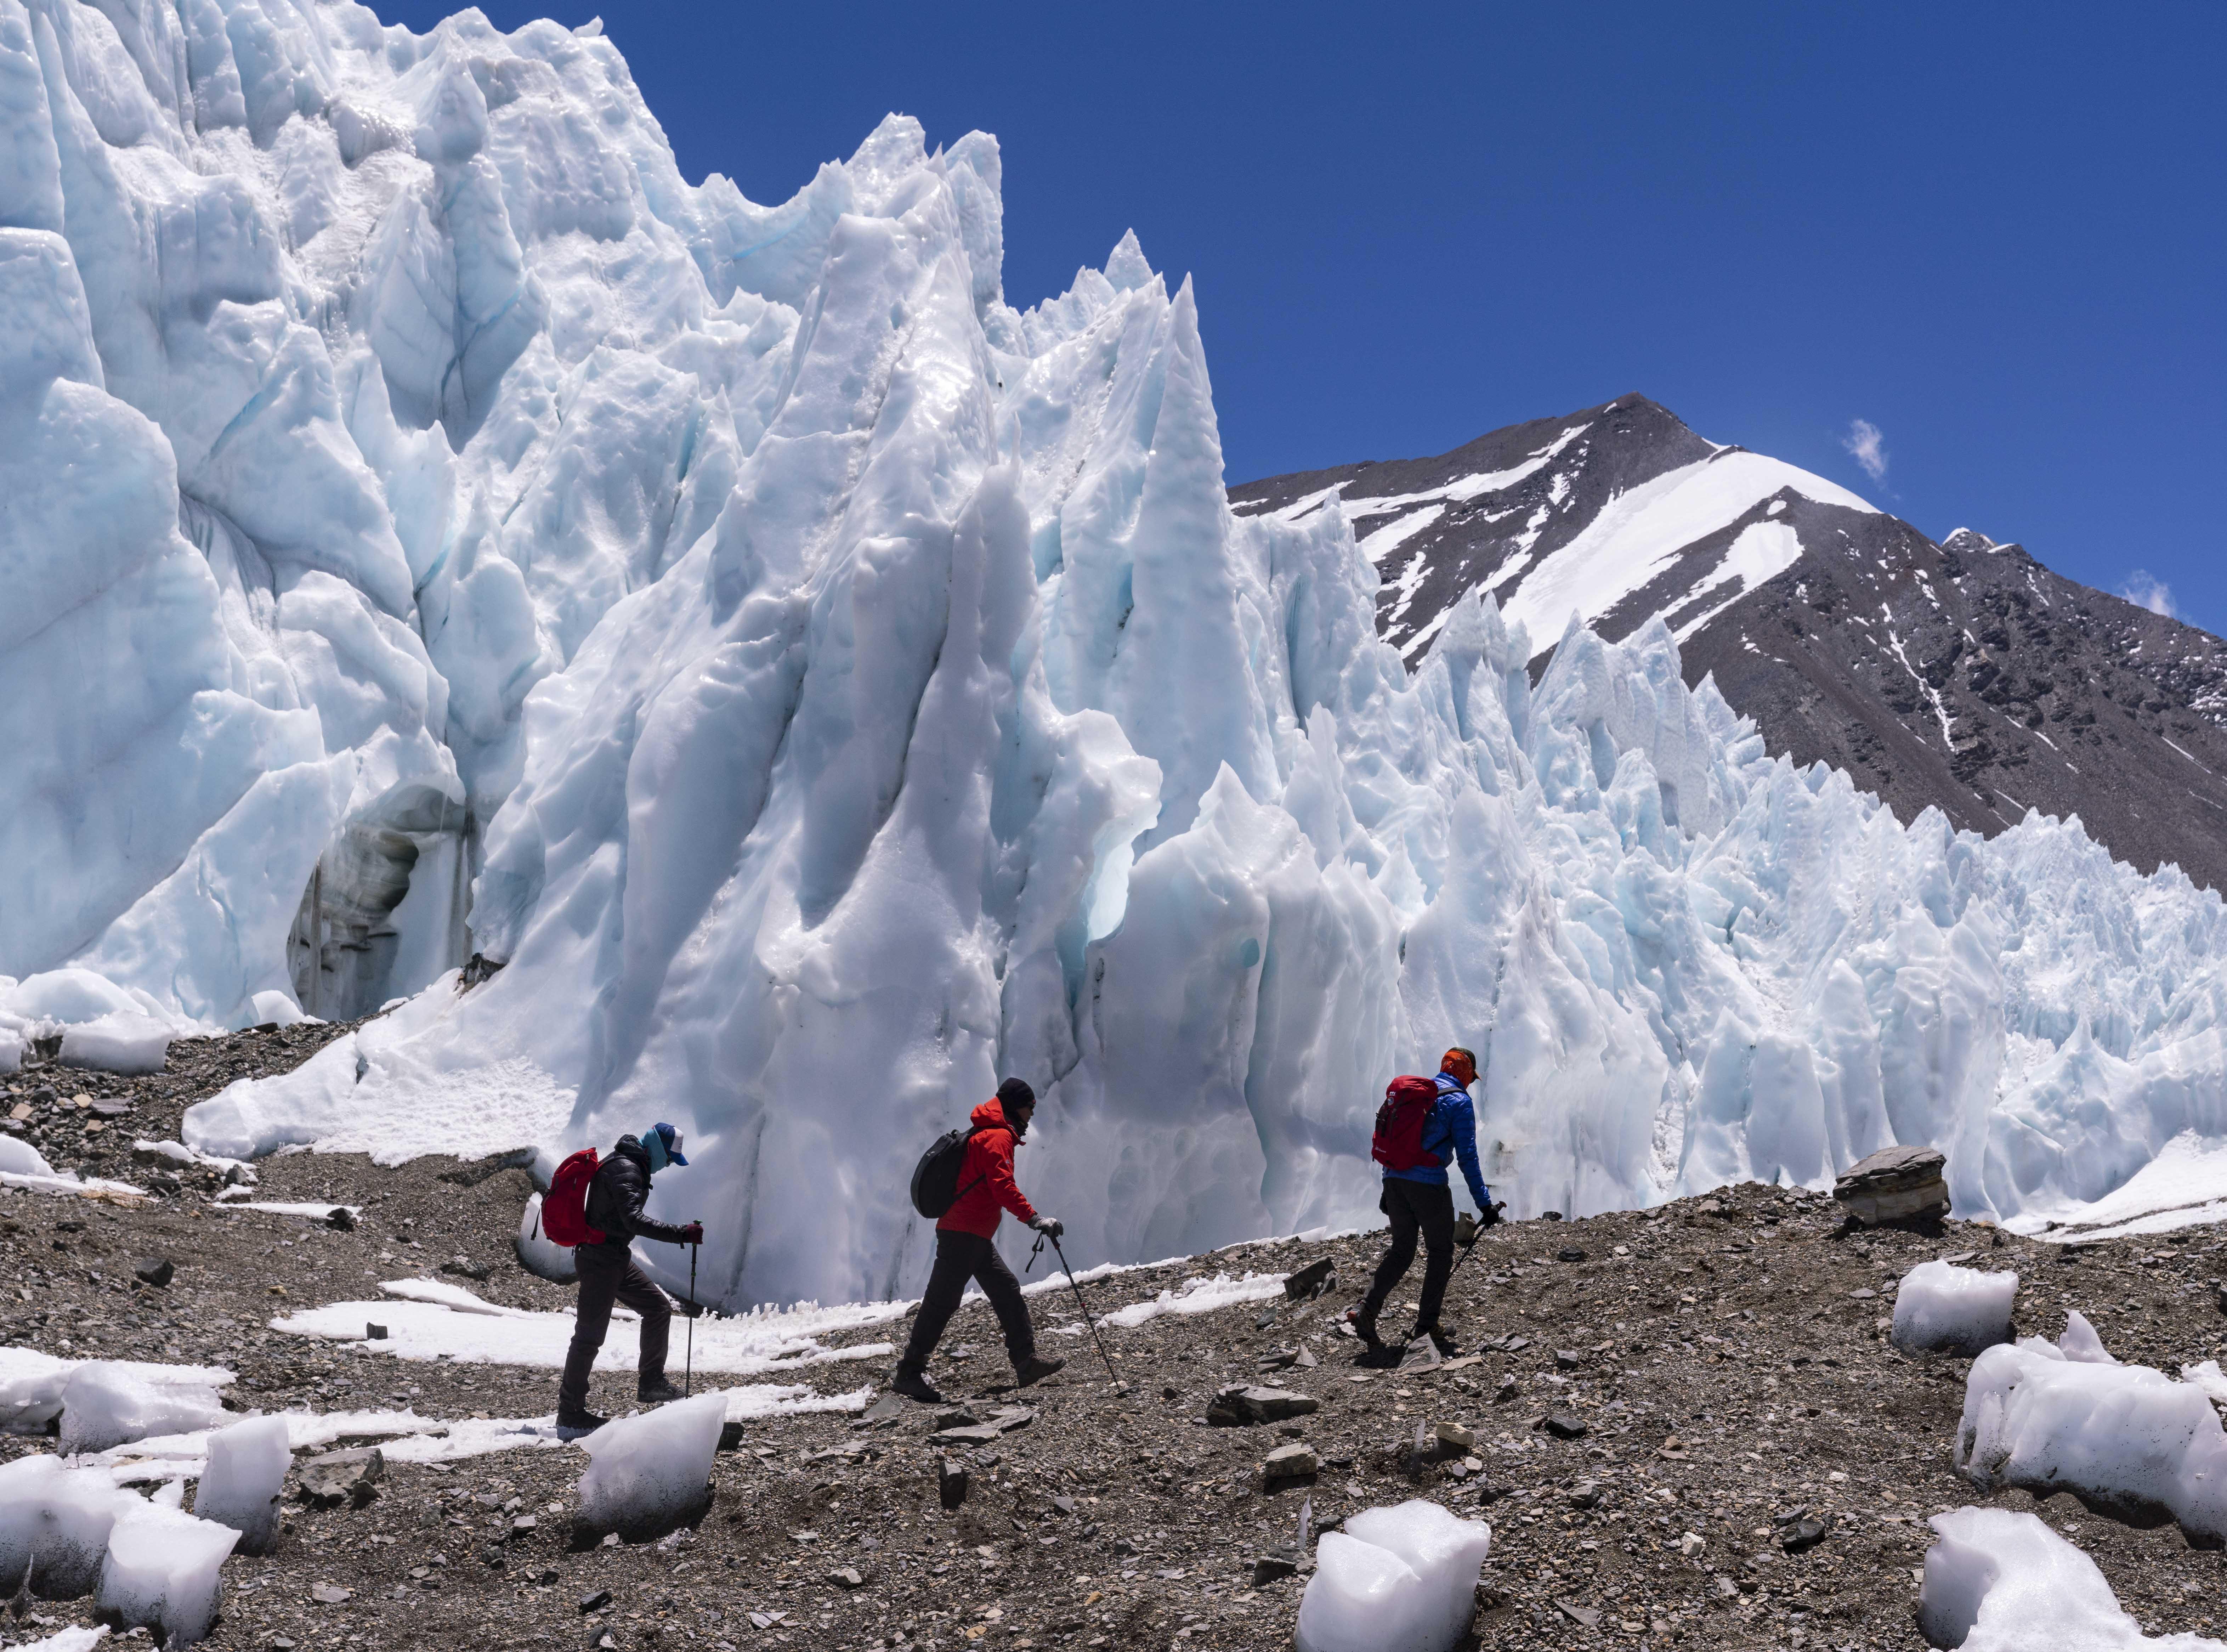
(848, 689)
(1962, 676)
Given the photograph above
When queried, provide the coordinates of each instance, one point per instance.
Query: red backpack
(1398, 1142)
(564, 1208)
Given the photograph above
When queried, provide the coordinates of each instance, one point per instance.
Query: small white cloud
(1865, 441)
(2145, 589)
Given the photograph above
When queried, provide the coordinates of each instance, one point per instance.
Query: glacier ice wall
(824, 688)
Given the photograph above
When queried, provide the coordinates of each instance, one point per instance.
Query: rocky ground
(1719, 1365)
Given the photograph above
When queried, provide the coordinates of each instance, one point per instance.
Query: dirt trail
(1723, 1358)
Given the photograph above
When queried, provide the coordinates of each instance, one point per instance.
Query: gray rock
(1895, 1184)
(1584, 1494)
(1562, 1425)
(1310, 1281)
(887, 1409)
(375, 1333)
(338, 1477)
(465, 1267)
(950, 1483)
(1565, 1359)
(1241, 1406)
(1272, 1568)
(970, 1434)
(157, 1271)
(1797, 1537)
(1589, 1617)
(342, 1220)
(1570, 1253)
(845, 1577)
(1290, 1462)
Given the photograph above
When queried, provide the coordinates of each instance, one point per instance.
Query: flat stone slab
(1241, 1406)
(1895, 1184)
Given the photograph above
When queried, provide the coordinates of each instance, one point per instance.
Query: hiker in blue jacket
(1421, 1200)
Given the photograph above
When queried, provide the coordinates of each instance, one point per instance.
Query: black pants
(609, 1274)
(1415, 1207)
(959, 1258)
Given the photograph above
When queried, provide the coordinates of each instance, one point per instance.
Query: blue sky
(1996, 234)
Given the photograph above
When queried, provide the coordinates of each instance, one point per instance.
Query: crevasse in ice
(437, 526)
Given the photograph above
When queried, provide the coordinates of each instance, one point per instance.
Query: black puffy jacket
(617, 1194)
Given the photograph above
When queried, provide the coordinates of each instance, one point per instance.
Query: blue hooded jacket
(1449, 1133)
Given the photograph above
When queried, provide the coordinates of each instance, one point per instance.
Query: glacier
(793, 687)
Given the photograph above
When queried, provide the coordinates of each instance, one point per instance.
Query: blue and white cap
(664, 1144)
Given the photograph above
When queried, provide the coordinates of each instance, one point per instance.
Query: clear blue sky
(1997, 232)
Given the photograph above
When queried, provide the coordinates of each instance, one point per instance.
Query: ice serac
(824, 688)
(349, 376)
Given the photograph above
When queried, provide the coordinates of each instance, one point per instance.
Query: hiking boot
(658, 1392)
(1033, 1369)
(1445, 1344)
(1364, 1321)
(573, 1424)
(913, 1384)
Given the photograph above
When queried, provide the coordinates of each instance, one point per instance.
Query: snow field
(426, 1319)
(19, 1158)
(105, 1403)
(2001, 1581)
(1397, 1579)
(56, 1519)
(2050, 1418)
(164, 1569)
(650, 1472)
(244, 1479)
(122, 1041)
(1943, 1309)
(67, 1640)
(115, 1396)
(1195, 1297)
(79, 1534)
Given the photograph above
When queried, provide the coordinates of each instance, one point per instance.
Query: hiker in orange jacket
(964, 1250)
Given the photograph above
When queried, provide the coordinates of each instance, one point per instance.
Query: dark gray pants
(959, 1258)
(609, 1274)
(1415, 1208)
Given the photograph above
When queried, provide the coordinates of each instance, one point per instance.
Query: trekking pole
(1474, 1243)
(1076, 1286)
(688, 1370)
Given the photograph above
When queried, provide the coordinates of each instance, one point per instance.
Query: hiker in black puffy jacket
(609, 1273)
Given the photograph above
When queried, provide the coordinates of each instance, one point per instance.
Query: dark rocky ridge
(1962, 676)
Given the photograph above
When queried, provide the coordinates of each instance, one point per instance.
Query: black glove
(693, 1234)
(1049, 1227)
(1489, 1216)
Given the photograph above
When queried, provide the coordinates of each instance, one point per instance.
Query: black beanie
(1016, 1092)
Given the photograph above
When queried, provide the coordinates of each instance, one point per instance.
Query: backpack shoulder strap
(973, 1131)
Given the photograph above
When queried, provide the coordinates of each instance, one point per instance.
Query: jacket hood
(631, 1147)
(991, 1115)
